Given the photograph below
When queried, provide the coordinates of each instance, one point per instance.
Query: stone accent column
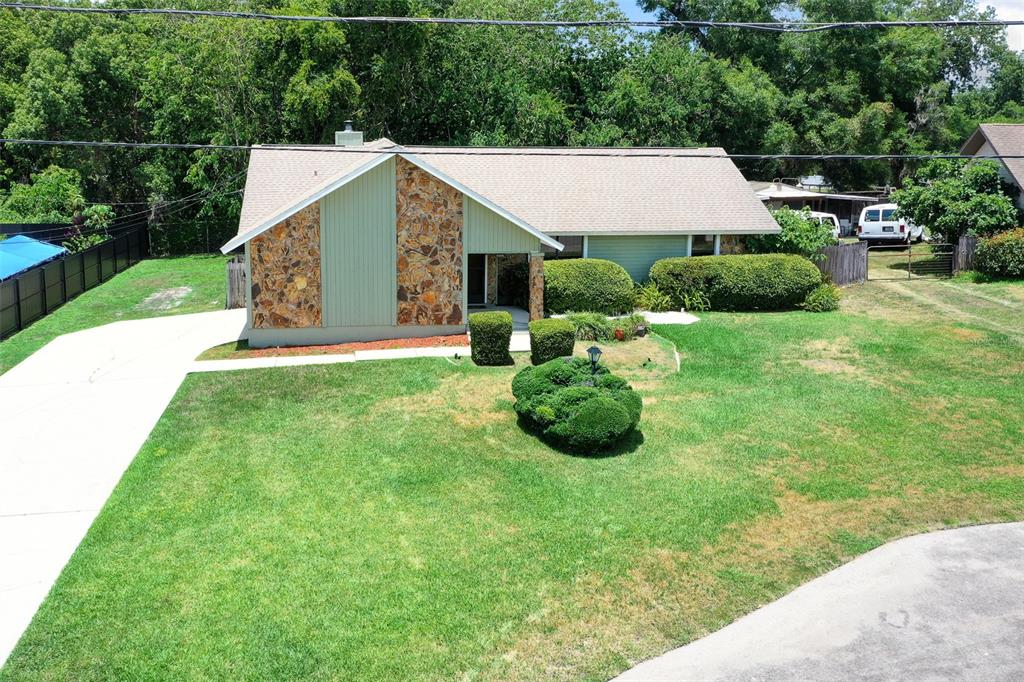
(284, 263)
(536, 286)
(492, 279)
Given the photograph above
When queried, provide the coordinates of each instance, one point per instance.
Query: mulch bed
(338, 348)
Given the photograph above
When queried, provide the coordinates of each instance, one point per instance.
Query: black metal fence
(37, 292)
(47, 232)
(845, 263)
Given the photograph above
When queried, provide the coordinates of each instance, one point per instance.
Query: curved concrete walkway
(72, 417)
(947, 605)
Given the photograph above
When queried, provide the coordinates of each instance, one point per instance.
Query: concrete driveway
(72, 417)
(947, 605)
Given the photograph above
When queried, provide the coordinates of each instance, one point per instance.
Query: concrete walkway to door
(947, 605)
(72, 417)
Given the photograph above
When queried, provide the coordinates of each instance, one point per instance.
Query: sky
(1005, 9)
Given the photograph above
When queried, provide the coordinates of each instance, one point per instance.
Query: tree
(955, 199)
(800, 234)
(53, 196)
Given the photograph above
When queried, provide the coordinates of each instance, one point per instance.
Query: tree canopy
(167, 79)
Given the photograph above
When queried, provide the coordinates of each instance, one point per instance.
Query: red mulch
(421, 342)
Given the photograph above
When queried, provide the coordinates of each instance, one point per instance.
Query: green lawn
(200, 282)
(390, 520)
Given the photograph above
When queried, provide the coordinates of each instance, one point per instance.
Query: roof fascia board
(658, 233)
(240, 239)
(548, 241)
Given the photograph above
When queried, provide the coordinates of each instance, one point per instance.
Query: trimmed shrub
(822, 299)
(550, 339)
(1001, 255)
(591, 326)
(587, 284)
(748, 282)
(489, 335)
(650, 298)
(572, 408)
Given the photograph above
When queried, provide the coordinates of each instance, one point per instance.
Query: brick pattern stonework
(429, 237)
(731, 244)
(286, 273)
(536, 286)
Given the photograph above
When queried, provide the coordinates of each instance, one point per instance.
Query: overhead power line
(771, 26)
(629, 152)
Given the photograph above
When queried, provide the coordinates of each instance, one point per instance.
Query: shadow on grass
(629, 443)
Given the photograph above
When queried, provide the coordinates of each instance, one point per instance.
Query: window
(573, 248)
(888, 214)
(703, 245)
(871, 216)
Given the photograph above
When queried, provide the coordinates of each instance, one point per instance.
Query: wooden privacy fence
(845, 263)
(963, 255)
(35, 293)
(236, 283)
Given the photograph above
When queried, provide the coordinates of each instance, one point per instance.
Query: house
(846, 207)
(992, 139)
(370, 241)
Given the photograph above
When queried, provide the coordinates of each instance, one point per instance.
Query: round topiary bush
(1001, 255)
(574, 409)
(822, 299)
(588, 285)
(748, 282)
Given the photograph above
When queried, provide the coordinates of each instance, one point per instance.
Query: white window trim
(718, 244)
(689, 245)
(586, 246)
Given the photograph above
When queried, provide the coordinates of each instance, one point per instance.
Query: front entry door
(476, 279)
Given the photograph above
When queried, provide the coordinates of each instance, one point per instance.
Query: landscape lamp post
(595, 354)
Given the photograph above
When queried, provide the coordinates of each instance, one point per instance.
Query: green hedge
(572, 408)
(550, 339)
(587, 285)
(489, 336)
(822, 299)
(1001, 255)
(748, 282)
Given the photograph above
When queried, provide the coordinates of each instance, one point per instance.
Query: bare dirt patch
(165, 299)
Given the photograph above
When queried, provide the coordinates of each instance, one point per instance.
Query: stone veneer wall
(429, 238)
(492, 279)
(285, 271)
(536, 286)
(731, 244)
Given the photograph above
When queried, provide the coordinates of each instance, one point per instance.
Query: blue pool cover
(20, 253)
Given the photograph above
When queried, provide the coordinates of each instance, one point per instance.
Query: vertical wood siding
(637, 253)
(358, 250)
(485, 231)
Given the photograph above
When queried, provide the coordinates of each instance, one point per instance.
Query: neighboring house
(991, 139)
(846, 207)
(20, 253)
(370, 241)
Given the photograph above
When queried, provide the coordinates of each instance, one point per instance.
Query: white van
(830, 219)
(879, 222)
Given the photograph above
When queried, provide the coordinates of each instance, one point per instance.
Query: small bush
(629, 325)
(650, 298)
(489, 337)
(1001, 255)
(591, 326)
(748, 282)
(822, 299)
(571, 407)
(550, 339)
(587, 284)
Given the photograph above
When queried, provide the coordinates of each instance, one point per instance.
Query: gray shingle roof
(1005, 138)
(563, 191)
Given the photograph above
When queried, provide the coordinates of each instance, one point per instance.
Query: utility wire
(771, 26)
(626, 152)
